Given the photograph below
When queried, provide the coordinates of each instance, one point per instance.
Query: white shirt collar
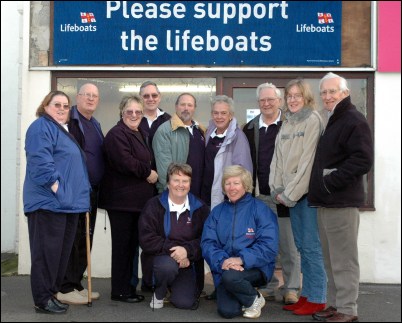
(214, 134)
(263, 124)
(158, 113)
(179, 208)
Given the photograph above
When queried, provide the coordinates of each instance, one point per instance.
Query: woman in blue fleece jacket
(240, 243)
(56, 190)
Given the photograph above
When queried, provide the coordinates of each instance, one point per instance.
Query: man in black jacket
(87, 132)
(344, 154)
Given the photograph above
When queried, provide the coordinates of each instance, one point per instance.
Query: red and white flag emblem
(87, 17)
(325, 18)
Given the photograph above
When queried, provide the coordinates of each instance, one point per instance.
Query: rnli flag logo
(87, 17)
(325, 18)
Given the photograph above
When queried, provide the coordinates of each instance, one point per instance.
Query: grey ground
(377, 303)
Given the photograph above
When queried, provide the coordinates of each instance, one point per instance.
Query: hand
(279, 199)
(184, 263)
(153, 177)
(55, 187)
(178, 253)
(234, 263)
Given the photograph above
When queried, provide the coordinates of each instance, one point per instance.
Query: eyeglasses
(153, 95)
(131, 112)
(268, 100)
(58, 105)
(89, 95)
(296, 97)
(330, 92)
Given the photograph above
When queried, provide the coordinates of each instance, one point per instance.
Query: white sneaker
(74, 298)
(254, 311)
(94, 295)
(156, 303)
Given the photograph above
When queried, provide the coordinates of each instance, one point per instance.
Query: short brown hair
(177, 168)
(40, 111)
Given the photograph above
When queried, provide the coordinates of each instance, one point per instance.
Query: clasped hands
(179, 254)
(234, 263)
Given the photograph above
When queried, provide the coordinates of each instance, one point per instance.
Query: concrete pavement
(377, 303)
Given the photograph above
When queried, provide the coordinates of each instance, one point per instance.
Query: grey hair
(269, 86)
(147, 83)
(127, 100)
(225, 99)
(343, 84)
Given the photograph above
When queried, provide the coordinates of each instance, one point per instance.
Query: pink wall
(389, 36)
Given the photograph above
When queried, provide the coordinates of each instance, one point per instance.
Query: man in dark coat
(344, 155)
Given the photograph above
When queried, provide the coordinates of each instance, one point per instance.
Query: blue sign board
(210, 33)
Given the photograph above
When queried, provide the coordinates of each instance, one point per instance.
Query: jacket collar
(176, 123)
(301, 115)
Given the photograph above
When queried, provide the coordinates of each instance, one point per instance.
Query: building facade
(30, 69)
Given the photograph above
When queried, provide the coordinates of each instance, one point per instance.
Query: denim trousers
(305, 232)
(237, 289)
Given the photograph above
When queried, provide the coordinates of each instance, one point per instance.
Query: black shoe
(211, 296)
(196, 304)
(138, 297)
(60, 304)
(50, 308)
(133, 298)
(133, 294)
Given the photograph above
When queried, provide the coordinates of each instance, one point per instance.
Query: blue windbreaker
(247, 229)
(52, 154)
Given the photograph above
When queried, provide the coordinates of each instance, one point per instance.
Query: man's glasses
(330, 92)
(268, 100)
(296, 97)
(148, 96)
(131, 112)
(89, 95)
(58, 105)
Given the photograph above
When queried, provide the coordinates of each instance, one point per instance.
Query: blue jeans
(237, 289)
(305, 232)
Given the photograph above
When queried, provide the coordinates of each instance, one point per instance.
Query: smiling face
(234, 188)
(132, 115)
(294, 98)
(151, 97)
(179, 186)
(58, 108)
(221, 116)
(269, 103)
(331, 93)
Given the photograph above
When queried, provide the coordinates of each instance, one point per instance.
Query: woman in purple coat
(129, 181)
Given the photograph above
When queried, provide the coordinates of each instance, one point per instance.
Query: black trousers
(124, 229)
(51, 237)
(77, 263)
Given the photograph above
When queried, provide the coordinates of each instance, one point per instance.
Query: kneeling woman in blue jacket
(240, 243)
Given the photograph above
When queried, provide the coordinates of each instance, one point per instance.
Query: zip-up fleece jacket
(247, 229)
(154, 227)
(293, 158)
(54, 155)
(171, 144)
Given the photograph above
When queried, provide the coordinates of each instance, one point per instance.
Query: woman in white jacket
(289, 178)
